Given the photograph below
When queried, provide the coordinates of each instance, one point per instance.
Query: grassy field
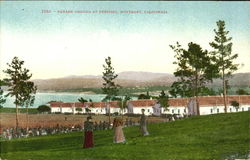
(221, 136)
(21, 110)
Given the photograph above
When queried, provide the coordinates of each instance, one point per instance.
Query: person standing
(88, 133)
(143, 124)
(117, 126)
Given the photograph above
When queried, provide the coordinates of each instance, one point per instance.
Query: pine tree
(2, 98)
(17, 81)
(194, 70)
(109, 87)
(223, 56)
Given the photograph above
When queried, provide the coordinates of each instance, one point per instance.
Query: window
(148, 110)
(211, 110)
(178, 111)
(172, 111)
(242, 109)
(230, 109)
(184, 110)
(236, 109)
(218, 110)
(249, 108)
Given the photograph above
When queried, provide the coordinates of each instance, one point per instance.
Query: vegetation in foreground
(220, 136)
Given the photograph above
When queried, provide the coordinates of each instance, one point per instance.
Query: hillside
(220, 136)
(127, 79)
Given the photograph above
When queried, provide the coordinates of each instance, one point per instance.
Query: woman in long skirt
(143, 124)
(117, 126)
(88, 133)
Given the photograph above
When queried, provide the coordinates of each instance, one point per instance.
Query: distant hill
(127, 79)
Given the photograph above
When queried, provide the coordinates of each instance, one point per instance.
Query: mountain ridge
(126, 79)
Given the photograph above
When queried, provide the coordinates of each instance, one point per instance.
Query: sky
(61, 44)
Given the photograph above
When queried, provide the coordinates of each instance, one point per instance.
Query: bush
(43, 108)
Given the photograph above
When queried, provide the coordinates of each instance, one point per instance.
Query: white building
(207, 105)
(135, 106)
(55, 107)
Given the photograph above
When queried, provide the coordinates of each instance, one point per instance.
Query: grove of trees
(197, 67)
(19, 85)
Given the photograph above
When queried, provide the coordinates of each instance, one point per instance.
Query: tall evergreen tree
(17, 81)
(109, 87)
(2, 98)
(223, 56)
(194, 70)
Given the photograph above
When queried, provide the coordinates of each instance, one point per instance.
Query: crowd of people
(10, 133)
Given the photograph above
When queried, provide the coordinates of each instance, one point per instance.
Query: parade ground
(8, 120)
(220, 136)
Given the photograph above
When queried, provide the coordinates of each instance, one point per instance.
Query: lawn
(20, 110)
(221, 136)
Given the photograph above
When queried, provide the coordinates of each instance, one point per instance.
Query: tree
(180, 89)
(2, 98)
(235, 104)
(163, 100)
(43, 108)
(109, 87)
(78, 109)
(223, 56)
(17, 78)
(87, 110)
(144, 96)
(241, 92)
(122, 102)
(29, 91)
(162, 94)
(194, 70)
(82, 100)
(208, 92)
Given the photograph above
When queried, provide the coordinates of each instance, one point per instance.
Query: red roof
(203, 101)
(174, 102)
(218, 100)
(178, 101)
(78, 104)
(113, 104)
(142, 102)
(67, 104)
(55, 104)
